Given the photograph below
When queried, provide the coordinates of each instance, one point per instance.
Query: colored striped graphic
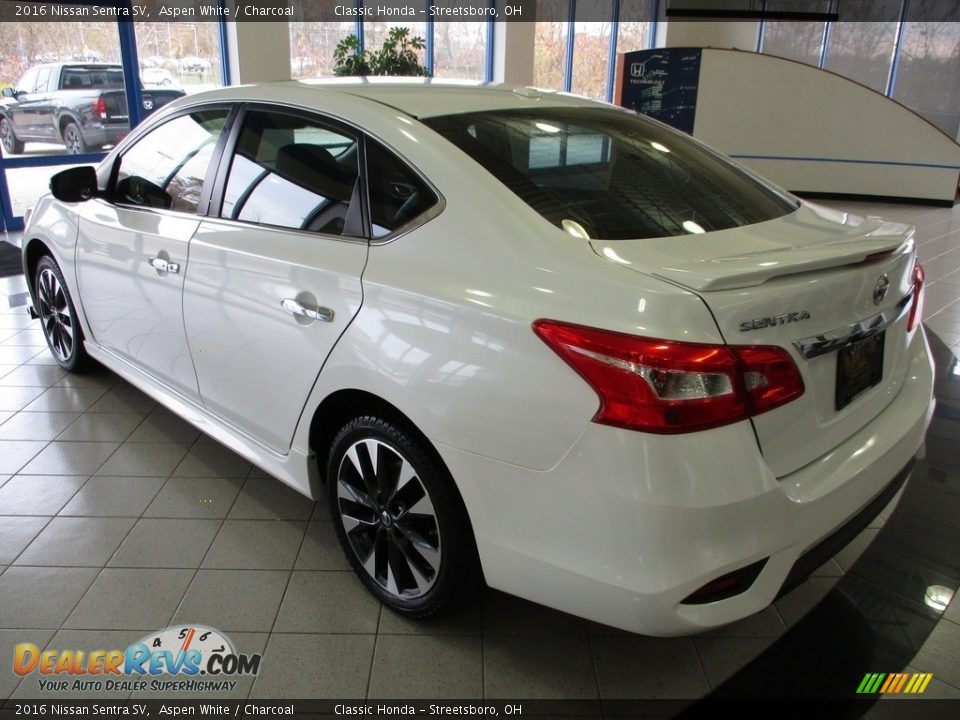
(893, 683)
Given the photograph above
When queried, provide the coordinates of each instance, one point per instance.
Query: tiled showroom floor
(118, 519)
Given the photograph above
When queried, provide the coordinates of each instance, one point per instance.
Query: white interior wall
(718, 34)
(258, 52)
(814, 131)
(513, 52)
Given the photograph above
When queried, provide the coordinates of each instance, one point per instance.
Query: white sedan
(509, 334)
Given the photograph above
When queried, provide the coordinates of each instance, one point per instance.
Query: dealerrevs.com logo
(177, 659)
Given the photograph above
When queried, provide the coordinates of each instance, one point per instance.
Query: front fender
(56, 226)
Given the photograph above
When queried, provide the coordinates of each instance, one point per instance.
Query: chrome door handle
(164, 265)
(295, 308)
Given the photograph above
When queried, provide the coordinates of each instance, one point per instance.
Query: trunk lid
(784, 282)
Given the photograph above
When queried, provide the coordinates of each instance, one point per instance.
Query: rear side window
(294, 172)
(611, 174)
(397, 193)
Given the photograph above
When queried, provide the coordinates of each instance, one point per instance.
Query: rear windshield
(609, 174)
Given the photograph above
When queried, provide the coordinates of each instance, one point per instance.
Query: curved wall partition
(809, 130)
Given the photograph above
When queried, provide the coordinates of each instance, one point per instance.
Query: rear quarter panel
(444, 332)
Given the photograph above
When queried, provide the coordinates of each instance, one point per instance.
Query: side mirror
(9, 92)
(74, 185)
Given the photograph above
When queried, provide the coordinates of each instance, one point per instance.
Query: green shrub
(397, 56)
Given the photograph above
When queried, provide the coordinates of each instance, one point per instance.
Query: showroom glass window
(181, 55)
(173, 160)
(376, 31)
(928, 74)
(862, 47)
(591, 46)
(34, 41)
(908, 49)
(460, 50)
(295, 172)
(584, 62)
(312, 45)
(549, 44)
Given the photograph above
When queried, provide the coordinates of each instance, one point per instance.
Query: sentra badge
(774, 320)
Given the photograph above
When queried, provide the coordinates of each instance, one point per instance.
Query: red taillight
(916, 305)
(665, 386)
(100, 107)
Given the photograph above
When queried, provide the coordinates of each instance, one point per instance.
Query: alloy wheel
(55, 314)
(6, 136)
(389, 518)
(72, 140)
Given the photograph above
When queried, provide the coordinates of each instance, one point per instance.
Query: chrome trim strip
(828, 342)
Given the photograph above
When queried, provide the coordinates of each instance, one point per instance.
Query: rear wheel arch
(64, 120)
(355, 417)
(342, 406)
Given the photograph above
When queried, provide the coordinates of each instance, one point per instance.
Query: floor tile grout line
(12, 563)
(286, 587)
(483, 639)
(373, 656)
(99, 574)
(703, 668)
(104, 566)
(593, 668)
(196, 571)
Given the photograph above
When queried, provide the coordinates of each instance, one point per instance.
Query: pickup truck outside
(80, 105)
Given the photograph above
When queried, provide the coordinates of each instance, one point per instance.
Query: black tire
(431, 556)
(11, 145)
(58, 317)
(73, 139)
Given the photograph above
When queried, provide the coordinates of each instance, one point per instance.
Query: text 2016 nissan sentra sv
(509, 334)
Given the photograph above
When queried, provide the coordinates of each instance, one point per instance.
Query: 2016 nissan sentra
(507, 333)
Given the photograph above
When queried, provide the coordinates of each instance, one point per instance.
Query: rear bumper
(99, 135)
(628, 525)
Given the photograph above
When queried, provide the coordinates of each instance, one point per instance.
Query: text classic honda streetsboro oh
(507, 333)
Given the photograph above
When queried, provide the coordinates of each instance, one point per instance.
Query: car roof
(418, 97)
